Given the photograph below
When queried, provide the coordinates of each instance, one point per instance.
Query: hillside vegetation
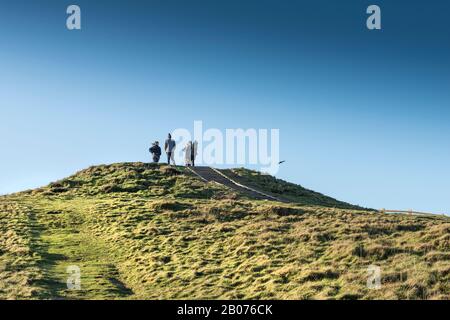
(141, 231)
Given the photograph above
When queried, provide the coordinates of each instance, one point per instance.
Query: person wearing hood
(155, 150)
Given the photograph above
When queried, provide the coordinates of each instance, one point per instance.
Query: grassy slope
(153, 232)
(284, 190)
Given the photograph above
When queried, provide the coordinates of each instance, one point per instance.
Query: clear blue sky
(364, 116)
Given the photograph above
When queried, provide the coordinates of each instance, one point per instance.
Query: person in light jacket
(187, 153)
(169, 147)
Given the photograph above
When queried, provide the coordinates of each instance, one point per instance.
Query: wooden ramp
(211, 174)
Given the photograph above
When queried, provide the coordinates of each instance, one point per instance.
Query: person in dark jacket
(155, 150)
(194, 146)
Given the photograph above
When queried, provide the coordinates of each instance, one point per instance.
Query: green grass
(154, 232)
(284, 190)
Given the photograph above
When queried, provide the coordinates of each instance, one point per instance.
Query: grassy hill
(155, 232)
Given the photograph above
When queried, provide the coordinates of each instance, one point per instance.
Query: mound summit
(139, 231)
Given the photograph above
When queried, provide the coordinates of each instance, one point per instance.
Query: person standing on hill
(155, 150)
(193, 150)
(169, 147)
(187, 153)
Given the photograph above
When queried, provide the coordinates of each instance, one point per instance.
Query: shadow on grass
(51, 286)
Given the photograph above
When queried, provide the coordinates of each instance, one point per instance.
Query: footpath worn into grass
(66, 241)
(155, 232)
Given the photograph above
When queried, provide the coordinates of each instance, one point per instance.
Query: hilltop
(140, 231)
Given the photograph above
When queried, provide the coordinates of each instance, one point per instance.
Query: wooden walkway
(211, 174)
